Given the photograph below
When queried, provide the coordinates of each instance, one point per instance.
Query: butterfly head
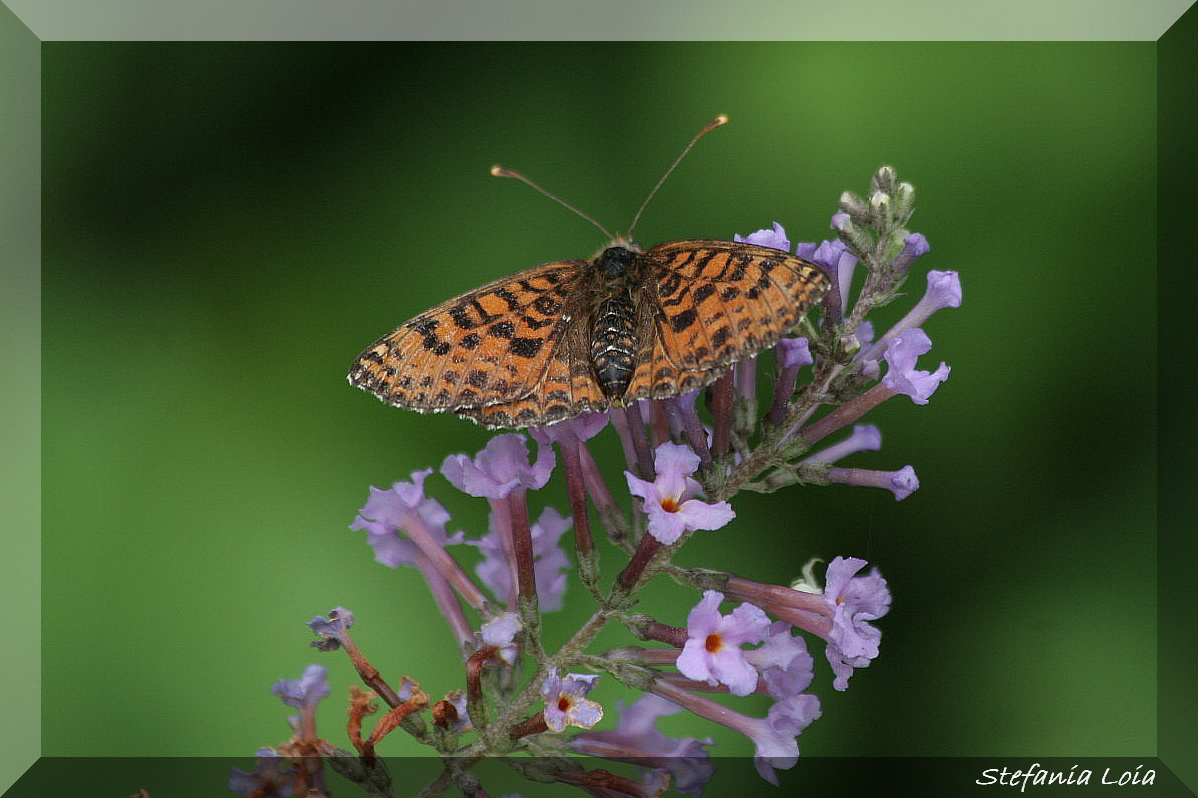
(616, 259)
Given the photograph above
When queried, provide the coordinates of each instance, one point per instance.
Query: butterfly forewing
(716, 302)
(490, 346)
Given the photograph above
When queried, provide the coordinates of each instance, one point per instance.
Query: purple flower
(501, 632)
(864, 437)
(854, 601)
(549, 558)
(914, 245)
(943, 291)
(668, 499)
(637, 740)
(902, 376)
(783, 662)
(334, 632)
(901, 483)
(774, 239)
(776, 736)
(773, 736)
(566, 702)
(274, 775)
(794, 353)
(712, 651)
(501, 467)
(835, 258)
(304, 692)
(388, 512)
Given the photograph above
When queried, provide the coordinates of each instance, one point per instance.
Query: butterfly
(576, 336)
(573, 336)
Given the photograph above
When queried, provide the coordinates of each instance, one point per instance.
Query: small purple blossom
(334, 631)
(773, 736)
(783, 662)
(902, 376)
(501, 467)
(712, 652)
(943, 291)
(794, 353)
(776, 736)
(914, 245)
(865, 437)
(774, 239)
(550, 563)
(854, 601)
(836, 260)
(303, 693)
(669, 501)
(387, 513)
(637, 740)
(566, 702)
(501, 632)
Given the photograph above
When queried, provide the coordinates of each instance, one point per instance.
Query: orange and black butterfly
(573, 336)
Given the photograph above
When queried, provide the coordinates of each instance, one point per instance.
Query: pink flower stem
(640, 442)
(660, 424)
(522, 544)
(808, 611)
(658, 657)
(703, 707)
(600, 495)
(722, 396)
(845, 414)
(448, 602)
(692, 685)
(663, 633)
(687, 419)
(784, 388)
(422, 536)
(501, 515)
(645, 551)
(746, 379)
(576, 491)
(620, 421)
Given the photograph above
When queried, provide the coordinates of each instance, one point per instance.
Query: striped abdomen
(613, 343)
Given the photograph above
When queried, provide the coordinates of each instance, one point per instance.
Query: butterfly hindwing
(489, 346)
(567, 389)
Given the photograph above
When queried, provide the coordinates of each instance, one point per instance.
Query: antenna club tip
(722, 119)
(499, 171)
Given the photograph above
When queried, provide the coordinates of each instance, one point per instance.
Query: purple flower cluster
(683, 465)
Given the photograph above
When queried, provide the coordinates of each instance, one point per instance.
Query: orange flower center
(563, 704)
(669, 504)
(714, 643)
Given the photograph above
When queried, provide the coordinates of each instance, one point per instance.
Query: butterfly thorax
(616, 274)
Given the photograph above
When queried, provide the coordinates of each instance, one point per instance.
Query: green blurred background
(228, 225)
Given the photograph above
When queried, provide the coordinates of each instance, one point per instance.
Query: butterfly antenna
(500, 171)
(710, 126)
